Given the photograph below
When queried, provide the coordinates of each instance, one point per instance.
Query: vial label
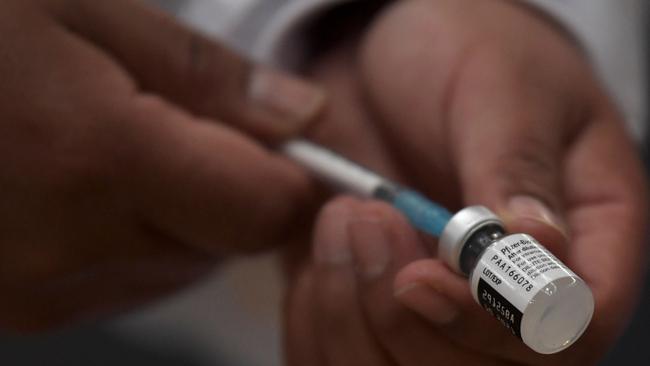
(500, 308)
(510, 273)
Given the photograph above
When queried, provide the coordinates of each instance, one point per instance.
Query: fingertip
(529, 215)
(337, 205)
(551, 237)
(281, 105)
(396, 224)
(380, 210)
(525, 207)
(405, 245)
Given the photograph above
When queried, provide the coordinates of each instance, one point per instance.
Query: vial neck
(476, 245)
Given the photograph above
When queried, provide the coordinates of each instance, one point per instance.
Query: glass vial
(517, 280)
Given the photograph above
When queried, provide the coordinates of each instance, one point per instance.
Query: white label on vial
(510, 273)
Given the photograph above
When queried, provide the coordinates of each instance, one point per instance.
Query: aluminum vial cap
(459, 229)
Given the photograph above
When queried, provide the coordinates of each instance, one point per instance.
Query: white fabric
(613, 34)
(232, 21)
(282, 42)
(610, 31)
(217, 16)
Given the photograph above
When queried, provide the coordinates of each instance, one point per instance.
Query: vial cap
(459, 229)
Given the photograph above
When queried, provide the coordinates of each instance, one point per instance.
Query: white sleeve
(223, 19)
(611, 32)
(282, 43)
(613, 35)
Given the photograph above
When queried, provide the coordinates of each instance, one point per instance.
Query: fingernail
(294, 100)
(370, 243)
(332, 242)
(527, 207)
(428, 302)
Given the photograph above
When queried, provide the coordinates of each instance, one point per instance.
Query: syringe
(348, 176)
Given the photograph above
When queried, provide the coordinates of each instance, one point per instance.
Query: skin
(133, 159)
(134, 178)
(473, 102)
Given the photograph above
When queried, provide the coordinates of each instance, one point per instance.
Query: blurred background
(231, 318)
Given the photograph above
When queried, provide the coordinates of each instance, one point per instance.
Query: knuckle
(532, 168)
(211, 69)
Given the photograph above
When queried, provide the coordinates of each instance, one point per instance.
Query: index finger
(202, 75)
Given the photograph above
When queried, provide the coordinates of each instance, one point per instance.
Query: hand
(489, 103)
(342, 309)
(122, 175)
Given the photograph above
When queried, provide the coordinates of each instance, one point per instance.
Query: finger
(498, 127)
(191, 179)
(301, 343)
(430, 289)
(200, 74)
(605, 205)
(608, 212)
(509, 145)
(204, 184)
(342, 333)
(383, 243)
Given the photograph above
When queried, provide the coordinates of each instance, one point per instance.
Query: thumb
(443, 298)
(507, 140)
(197, 73)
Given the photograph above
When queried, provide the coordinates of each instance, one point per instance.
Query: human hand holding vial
(513, 277)
(518, 281)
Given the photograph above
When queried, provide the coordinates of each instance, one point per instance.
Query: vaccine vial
(518, 281)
